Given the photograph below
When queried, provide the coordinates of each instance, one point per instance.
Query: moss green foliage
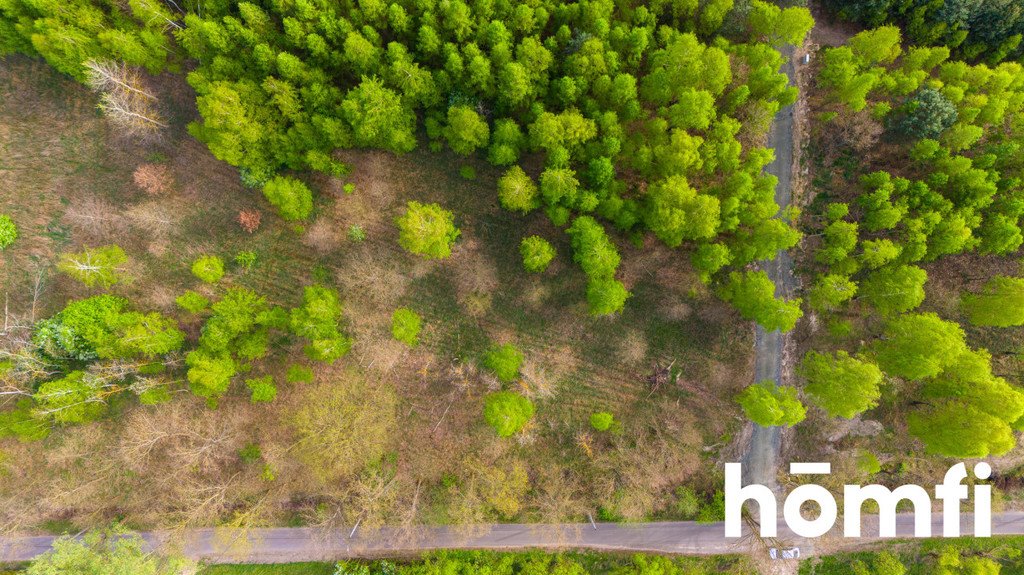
(8, 231)
(262, 388)
(541, 562)
(753, 295)
(100, 266)
(602, 421)
(299, 374)
(963, 556)
(504, 361)
(237, 332)
(71, 34)
(643, 118)
(867, 463)
(769, 405)
(427, 230)
(467, 172)
(406, 325)
(105, 553)
(291, 197)
(949, 188)
(916, 346)
(507, 412)
(192, 301)
(208, 268)
(840, 384)
(517, 192)
(537, 253)
(830, 292)
(599, 258)
(894, 289)
(318, 320)
(246, 259)
(105, 327)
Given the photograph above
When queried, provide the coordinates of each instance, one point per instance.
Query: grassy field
(68, 183)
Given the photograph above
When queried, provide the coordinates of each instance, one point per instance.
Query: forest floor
(67, 181)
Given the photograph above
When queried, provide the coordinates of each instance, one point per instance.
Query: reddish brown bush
(249, 220)
(154, 179)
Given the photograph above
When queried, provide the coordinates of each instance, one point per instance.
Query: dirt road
(299, 544)
(760, 462)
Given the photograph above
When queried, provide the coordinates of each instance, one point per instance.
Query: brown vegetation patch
(154, 179)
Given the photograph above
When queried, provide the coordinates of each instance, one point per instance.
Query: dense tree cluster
(961, 127)
(990, 30)
(648, 116)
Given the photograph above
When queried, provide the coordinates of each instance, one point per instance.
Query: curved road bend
(760, 462)
(284, 545)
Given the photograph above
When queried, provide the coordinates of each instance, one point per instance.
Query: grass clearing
(69, 183)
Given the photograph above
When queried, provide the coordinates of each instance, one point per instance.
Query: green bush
(427, 230)
(504, 361)
(263, 389)
(467, 173)
(602, 421)
(293, 200)
(507, 412)
(208, 268)
(8, 231)
(356, 233)
(246, 259)
(406, 325)
(537, 253)
(192, 301)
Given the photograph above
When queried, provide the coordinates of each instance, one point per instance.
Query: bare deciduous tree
(124, 98)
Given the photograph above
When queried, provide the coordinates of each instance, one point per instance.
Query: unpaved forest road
(284, 545)
(760, 462)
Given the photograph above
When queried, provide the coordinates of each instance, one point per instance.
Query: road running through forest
(761, 459)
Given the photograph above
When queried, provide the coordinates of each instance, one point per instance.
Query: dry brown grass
(323, 236)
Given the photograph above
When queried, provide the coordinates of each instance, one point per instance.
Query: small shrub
(263, 389)
(8, 231)
(208, 268)
(191, 301)
(349, 188)
(268, 474)
(299, 374)
(250, 453)
(504, 361)
(246, 259)
(356, 233)
(537, 254)
(868, 463)
(249, 220)
(507, 412)
(467, 172)
(602, 421)
(427, 230)
(293, 200)
(406, 325)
